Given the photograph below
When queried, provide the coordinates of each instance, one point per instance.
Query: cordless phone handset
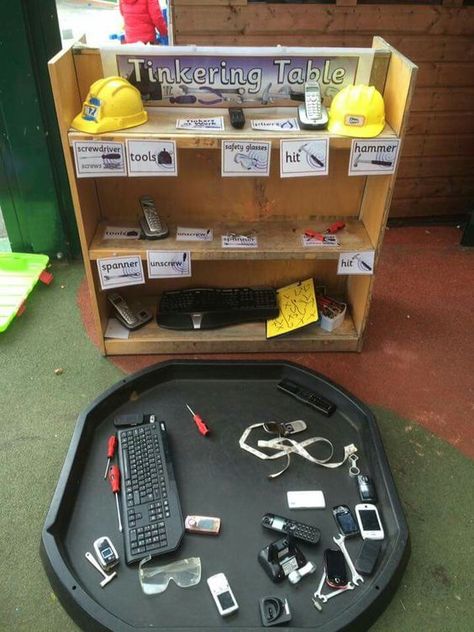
(312, 100)
(153, 226)
(312, 114)
(130, 319)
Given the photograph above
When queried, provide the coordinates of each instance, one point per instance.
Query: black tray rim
(92, 617)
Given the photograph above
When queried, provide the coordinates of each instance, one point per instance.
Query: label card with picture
(164, 264)
(304, 157)
(121, 232)
(201, 124)
(356, 262)
(120, 271)
(152, 158)
(97, 159)
(245, 158)
(239, 241)
(373, 157)
(194, 234)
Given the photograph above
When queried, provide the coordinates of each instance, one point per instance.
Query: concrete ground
(415, 373)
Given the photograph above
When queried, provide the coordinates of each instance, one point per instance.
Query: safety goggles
(155, 579)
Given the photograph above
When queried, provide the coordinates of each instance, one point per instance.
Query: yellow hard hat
(357, 111)
(112, 104)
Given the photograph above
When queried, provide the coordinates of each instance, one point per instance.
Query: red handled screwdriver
(111, 447)
(114, 480)
(203, 429)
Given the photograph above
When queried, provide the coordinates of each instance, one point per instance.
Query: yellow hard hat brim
(108, 124)
(364, 131)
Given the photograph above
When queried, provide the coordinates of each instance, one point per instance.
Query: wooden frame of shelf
(277, 209)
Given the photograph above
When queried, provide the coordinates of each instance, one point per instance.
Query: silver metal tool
(323, 598)
(340, 541)
(107, 578)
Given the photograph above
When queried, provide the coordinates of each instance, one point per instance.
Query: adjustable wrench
(356, 578)
(323, 598)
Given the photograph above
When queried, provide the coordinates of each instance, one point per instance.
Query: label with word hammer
(373, 157)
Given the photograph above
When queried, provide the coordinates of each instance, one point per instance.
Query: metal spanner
(340, 541)
(323, 598)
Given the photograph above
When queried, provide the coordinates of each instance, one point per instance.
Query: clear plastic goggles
(155, 579)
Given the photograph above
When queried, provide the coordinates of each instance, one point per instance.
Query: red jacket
(141, 17)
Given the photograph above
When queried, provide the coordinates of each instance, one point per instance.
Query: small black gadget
(280, 558)
(345, 520)
(274, 610)
(237, 118)
(305, 532)
(335, 565)
(368, 556)
(366, 487)
(311, 398)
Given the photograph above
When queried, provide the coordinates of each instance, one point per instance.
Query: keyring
(353, 469)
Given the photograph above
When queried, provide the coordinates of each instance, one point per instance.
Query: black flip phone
(368, 556)
(335, 565)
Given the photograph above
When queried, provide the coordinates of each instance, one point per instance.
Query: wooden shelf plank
(276, 240)
(249, 337)
(162, 125)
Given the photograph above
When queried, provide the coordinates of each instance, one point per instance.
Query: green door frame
(34, 191)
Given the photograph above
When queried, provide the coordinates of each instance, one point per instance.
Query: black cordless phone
(304, 532)
(153, 227)
(124, 314)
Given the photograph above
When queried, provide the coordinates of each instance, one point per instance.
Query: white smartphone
(369, 521)
(222, 594)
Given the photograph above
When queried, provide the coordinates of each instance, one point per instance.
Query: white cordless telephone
(312, 114)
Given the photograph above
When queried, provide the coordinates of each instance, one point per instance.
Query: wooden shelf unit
(277, 209)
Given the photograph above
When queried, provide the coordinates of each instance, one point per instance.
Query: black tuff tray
(216, 478)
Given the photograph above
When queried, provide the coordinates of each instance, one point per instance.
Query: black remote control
(237, 118)
(305, 532)
(308, 397)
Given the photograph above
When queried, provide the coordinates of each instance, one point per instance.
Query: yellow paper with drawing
(298, 308)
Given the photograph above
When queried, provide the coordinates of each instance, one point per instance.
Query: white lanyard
(281, 444)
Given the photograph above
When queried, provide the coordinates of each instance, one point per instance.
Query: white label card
(121, 232)
(165, 264)
(239, 241)
(152, 158)
(373, 157)
(311, 242)
(97, 159)
(120, 271)
(276, 125)
(203, 124)
(245, 158)
(194, 234)
(304, 157)
(356, 262)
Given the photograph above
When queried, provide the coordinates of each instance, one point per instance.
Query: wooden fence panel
(437, 162)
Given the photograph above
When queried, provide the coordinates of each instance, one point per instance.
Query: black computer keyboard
(209, 308)
(152, 519)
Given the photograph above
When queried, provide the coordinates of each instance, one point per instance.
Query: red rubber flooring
(418, 357)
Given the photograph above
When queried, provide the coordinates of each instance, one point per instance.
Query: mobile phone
(366, 487)
(222, 594)
(129, 319)
(335, 565)
(369, 521)
(312, 114)
(106, 553)
(345, 520)
(368, 556)
(202, 524)
(152, 225)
